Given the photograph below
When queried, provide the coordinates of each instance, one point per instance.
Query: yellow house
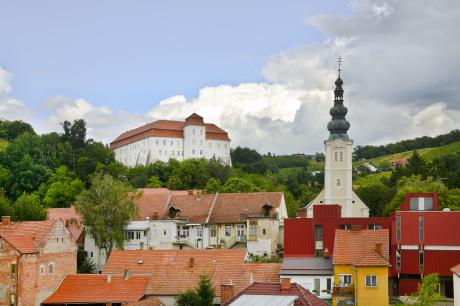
(361, 262)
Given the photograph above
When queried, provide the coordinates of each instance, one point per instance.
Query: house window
(317, 286)
(263, 231)
(164, 232)
(344, 280)
(228, 230)
(318, 233)
(398, 227)
(13, 271)
(91, 254)
(329, 285)
(42, 269)
(421, 260)
(138, 235)
(371, 281)
(336, 156)
(213, 231)
(398, 259)
(341, 156)
(374, 226)
(421, 223)
(338, 183)
(201, 152)
(253, 230)
(185, 231)
(129, 235)
(345, 226)
(199, 232)
(51, 268)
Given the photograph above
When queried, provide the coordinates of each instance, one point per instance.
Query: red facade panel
(440, 262)
(409, 262)
(442, 228)
(407, 286)
(327, 211)
(299, 238)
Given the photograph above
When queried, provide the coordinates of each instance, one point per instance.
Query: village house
(280, 294)
(72, 221)
(313, 273)
(424, 240)
(174, 271)
(34, 258)
(195, 220)
(361, 262)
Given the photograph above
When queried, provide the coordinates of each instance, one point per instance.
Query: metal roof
(265, 300)
(307, 266)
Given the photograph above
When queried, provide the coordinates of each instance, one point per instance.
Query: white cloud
(10, 108)
(5, 81)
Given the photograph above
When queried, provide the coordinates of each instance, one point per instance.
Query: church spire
(338, 126)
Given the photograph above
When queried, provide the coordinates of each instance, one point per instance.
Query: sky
(262, 70)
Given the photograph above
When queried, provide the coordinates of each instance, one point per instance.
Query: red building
(307, 237)
(424, 240)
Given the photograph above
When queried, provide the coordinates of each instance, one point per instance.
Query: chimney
(226, 293)
(326, 253)
(355, 227)
(6, 220)
(379, 249)
(126, 274)
(285, 284)
(109, 278)
(191, 262)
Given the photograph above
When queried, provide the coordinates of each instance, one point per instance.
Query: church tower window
(341, 155)
(338, 183)
(336, 156)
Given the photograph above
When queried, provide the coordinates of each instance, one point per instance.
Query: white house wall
(307, 282)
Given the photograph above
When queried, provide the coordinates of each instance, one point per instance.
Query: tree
(212, 186)
(28, 207)
(244, 156)
(154, 182)
(203, 295)
(428, 291)
(375, 195)
(9, 130)
(6, 209)
(84, 263)
(238, 184)
(107, 207)
(75, 133)
(63, 188)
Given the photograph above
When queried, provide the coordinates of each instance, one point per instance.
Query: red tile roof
(305, 297)
(153, 203)
(234, 207)
(151, 301)
(94, 288)
(26, 236)
(170, 128)
(74, 225)
(193, 208)
(172, 273)
(456, 270)
(357, 247)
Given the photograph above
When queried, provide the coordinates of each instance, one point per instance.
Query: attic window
(266, 209)
(140, 262)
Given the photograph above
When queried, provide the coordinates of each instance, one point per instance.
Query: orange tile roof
(153, 203)
(352, 247)
(265, 272)
(234, 207)
(21, 235)
(305, 297)
(74, 226)
(151, 301)
(456, 270)
(158, 128)
(172, 274)
(94, 288)
(193, 208)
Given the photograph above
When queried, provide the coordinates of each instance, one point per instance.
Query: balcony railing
(344, 290)
(244, 217)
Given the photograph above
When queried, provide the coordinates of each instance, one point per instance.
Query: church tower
(339, 149)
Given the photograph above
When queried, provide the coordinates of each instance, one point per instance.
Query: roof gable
(28, 235)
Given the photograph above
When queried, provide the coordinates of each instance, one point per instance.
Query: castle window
(13, 271)
(338, 183)
(42, 269)
(341, 156)
(201, 152)
(193, 151)
(51, 268)
(336, 156)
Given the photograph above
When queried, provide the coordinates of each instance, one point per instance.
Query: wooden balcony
(343, 290)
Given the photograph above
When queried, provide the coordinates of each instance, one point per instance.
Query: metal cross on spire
(339, 63)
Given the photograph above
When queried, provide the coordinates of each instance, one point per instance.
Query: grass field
(371, 178)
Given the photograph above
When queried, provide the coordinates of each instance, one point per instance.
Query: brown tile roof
(264, 272)
(94, 288)
(193, 208)
(152, 203)
(74, 225)
(305, 297)
(172, 273)
(371, 258)
(456, 270)
(234, 207)
(21, 235)
(170, 128)
(151, 301)
(352, 247)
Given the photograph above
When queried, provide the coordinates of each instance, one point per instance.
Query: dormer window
(173, 212)
(266, 209)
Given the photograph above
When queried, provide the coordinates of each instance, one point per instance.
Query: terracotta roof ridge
(372, 252)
